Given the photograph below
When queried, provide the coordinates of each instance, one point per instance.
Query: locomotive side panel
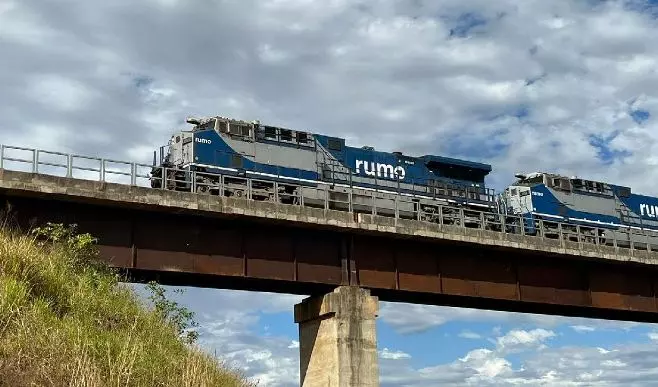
(589, 209)
(225, 154)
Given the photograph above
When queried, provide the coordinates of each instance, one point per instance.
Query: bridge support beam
(338, 339)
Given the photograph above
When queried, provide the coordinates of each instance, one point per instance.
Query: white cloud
(518, 340)
(469, 335)
(583, 328)
(415, 318)
(632, 365)
(393, 355)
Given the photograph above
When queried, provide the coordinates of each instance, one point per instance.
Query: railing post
(133, 174)
(69, 165)
(250, 194)
(2, 156)
(397, 210)
(373, 209)
(350, 198)
(102, 170)
(326, 197)
(164, 178)
(35, 160)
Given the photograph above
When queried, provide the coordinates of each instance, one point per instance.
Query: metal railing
(626, 240)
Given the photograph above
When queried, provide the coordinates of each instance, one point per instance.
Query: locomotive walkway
(336, 257)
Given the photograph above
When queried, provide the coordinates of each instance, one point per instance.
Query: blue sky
(567, 86)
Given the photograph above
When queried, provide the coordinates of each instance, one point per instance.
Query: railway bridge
(344, 262)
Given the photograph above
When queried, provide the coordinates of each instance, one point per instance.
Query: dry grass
(67, 323)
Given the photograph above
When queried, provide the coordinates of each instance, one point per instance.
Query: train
(233, 157)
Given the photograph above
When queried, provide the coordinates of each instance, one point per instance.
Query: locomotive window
(286, 135)
(270, 133)
(302, 138)
(241, 130)
(334, 144)
(177, 139)
(524, 193)
(223, 126)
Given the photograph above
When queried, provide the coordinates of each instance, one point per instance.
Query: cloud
(631, 365)
(500, 82)
(417, 318)
(393, 355)
(469, 335)
(232, 336)
(519, 340)
(583, 328)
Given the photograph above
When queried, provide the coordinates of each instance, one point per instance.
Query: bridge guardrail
(357, 200)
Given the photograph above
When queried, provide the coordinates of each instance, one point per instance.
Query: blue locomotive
(300, 162)
(598, 209)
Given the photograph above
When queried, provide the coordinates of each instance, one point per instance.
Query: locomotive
(232, 157)
(217, 154)
(599, 209)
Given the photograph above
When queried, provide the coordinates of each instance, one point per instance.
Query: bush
(66, 320)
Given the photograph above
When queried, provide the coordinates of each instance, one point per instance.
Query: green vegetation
(65, 320)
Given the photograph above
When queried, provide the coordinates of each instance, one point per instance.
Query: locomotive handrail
(401, 205)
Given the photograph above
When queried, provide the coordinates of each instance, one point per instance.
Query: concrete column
(338, 339)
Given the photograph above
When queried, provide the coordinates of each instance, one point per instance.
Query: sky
(558, 86)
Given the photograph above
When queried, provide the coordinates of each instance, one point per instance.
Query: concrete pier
(338, 339)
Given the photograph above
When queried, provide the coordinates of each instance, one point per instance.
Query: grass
(66, 320)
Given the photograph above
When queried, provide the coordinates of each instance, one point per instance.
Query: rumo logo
(202, 140)
(650, 211)
(371, 168)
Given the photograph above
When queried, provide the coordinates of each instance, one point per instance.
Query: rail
(322, 195)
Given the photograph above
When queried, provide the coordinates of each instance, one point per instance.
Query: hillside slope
(66, 321)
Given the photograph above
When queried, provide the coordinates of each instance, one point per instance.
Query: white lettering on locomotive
(648, 210)
(371, 168)
(203, 140)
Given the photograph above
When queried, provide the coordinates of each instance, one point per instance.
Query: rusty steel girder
(270, 255)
